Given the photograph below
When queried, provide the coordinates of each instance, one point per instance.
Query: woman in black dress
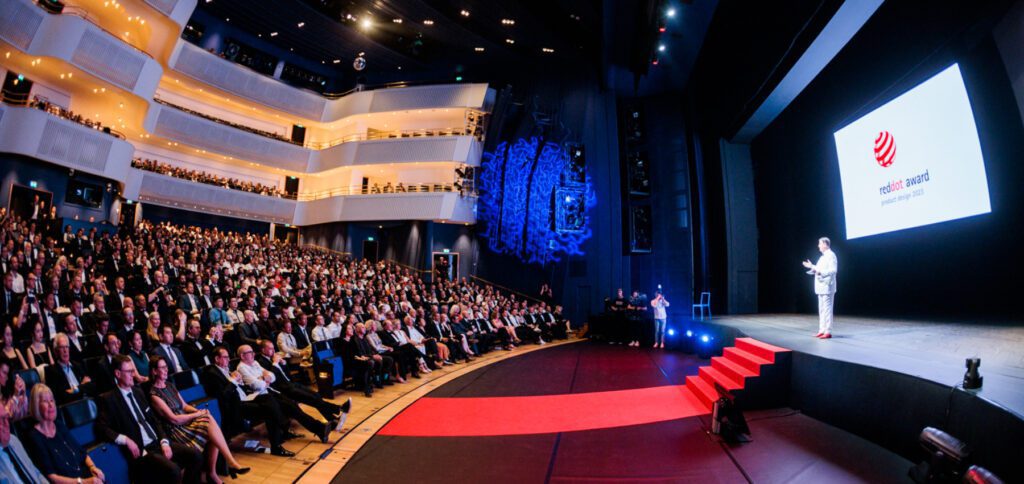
(57, 455)
(37, 353)
(188, 425)
(9, 353)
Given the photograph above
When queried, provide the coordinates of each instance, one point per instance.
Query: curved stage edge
(885, 380)
(333, 460)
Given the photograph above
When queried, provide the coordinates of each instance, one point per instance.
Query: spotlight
(981, 475)
(946, 457)
(705, 338)
(671, 332)
(366, 24)
(661, 48)
(972, 380)
(689, 334)
(670, 13)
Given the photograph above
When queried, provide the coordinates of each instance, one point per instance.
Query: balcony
(238, 80)
(179, 126)
(79, 42)
(448, 206)
(38, 134)
(150, 187)
(177, 10)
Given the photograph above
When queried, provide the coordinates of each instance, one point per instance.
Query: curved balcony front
(198, 132)
(239, 80)
(150, 187)
(177, 10)
(80, 43)
(447, 206)
(35, 133)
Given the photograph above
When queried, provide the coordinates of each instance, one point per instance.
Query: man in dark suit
(301, 331)
(198, 351)
(236, 404)
(115, 300)
(175, 359)
(67, 378)
(188, 301)
(126, 419)
(10, 302)
(103, 373)
(248, 332)
(275, 363)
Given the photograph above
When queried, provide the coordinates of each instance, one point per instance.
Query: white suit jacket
(825, 273)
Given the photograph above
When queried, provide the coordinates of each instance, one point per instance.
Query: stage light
(946, 457)
(478, 49)
(661, 48)
(273, 34)
(671, 12)
(428, 22)
(366, 24)
(464, 13)
(972, 380)
(33, 184)
(671, 332)
(458, 78)
(705, 338)
(302, 24)
(689, 334)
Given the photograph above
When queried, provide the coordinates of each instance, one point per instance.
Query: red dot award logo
(885, 149)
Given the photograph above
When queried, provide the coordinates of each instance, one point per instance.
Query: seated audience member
(56, 453)
(126, 419)
(260, 380)
(188, 425)
(15, 463)
(139, 357)
(275, 363)
(175, 360)
(103, 373)
(10, 354)
(76, 346)
(248, 332)
(12, 393)
(37, 353)
(286, 342)
(377, 344)
(394, 337)
(215, 335)
(67, 378)
(237, 404)
(198, 351)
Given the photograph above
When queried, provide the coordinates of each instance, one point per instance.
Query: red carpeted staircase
(733, 370)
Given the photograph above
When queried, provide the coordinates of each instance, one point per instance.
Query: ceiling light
(671, 12)
(547, 50)
(366, 23)
(302, 24)
(397, 20)
(661, 48)
(478, 49)
(428, 22)
(337, 61)
(509, 41)
(227, 19)
(508, 21)
(464, 13)
(273, 34)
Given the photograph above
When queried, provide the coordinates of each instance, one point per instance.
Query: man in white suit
(824, 273)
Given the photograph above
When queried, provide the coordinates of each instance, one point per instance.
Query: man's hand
(132, 448)
(167, 451)
(807, 264)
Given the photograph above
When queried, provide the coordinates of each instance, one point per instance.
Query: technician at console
(824, 273)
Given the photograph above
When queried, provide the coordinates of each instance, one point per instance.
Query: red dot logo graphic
(885, 149)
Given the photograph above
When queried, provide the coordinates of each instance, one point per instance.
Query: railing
(386, 85)
(325, 249)
(211, 179)
(378, 190)
(499, 286)
(47, 107)
(259, 132)
(396, 134)
(84, 15)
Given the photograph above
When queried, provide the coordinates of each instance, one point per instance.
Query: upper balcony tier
(39, 134)
(234, 79)
(178, 126)
(150, 187)
(79, 42)
(177, 10)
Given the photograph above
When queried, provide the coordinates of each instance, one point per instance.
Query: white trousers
(825, 304)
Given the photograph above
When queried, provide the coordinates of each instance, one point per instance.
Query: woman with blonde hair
(54, 451)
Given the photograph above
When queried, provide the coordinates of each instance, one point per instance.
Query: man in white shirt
(260, 380)
(824, 273)
(15, 464)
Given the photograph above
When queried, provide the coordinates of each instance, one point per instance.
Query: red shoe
(818, 335)
(826, 336)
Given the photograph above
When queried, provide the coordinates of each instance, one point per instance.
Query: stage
(932, 350)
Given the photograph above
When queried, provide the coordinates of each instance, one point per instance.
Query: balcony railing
(466, 130)
(197, 176)
(388, 189)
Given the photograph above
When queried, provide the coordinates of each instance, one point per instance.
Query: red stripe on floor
(453, 417)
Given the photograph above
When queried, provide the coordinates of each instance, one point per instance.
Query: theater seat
(329, 368)
(78, 417)
(30, 377)
(111, 459)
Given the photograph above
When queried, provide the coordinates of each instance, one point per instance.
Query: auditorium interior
(511, 241)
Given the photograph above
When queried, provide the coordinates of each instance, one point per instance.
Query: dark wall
(21, 170)
(954, 269)
(157, 213)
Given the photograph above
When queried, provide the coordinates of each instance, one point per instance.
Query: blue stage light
(705, 338)
(689, 334)
(671, 332)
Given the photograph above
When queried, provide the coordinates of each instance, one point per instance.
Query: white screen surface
(914, 161)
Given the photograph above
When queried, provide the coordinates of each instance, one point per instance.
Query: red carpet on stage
(452, 417)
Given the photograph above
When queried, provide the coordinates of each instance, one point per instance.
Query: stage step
(745, 359)
(758, 348)
(712, 375)
(702, 390)
(731, 369)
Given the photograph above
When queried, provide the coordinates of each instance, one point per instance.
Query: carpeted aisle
(587, 412)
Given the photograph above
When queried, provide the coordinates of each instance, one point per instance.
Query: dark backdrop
(967, 268)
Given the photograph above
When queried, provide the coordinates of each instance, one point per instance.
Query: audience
(43, 104)
(195, 296)
(54, 451)
(15, 463)
(168, 169)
